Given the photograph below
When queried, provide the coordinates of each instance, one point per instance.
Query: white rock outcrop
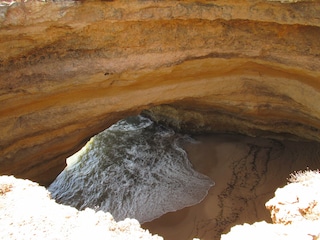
(27, 212)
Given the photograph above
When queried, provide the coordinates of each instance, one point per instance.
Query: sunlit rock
(27, 212)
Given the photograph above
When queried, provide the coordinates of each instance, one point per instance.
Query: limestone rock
(298, 201)
(263, 230)
(27, 212)
(69, 69)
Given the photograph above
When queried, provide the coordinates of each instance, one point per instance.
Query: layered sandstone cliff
(70, 69)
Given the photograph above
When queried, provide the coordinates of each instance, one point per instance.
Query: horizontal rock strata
(71, 69)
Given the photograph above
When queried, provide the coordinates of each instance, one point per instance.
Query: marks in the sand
(248, 173)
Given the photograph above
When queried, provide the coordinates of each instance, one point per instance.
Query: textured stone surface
(27, 212)
(70, 69)
(298, 201)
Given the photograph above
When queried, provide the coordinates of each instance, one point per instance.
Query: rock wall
(71, 69)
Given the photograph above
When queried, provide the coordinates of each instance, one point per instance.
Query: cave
(246, 73)
(135, 168)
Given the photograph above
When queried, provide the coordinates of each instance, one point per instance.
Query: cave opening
(245, 172)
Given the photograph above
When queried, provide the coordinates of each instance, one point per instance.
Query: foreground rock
(295, 212)
(71, 69)
(27, 212)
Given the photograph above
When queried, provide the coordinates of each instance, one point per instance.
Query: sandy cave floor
(246, 171)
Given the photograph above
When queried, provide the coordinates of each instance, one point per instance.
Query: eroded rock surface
(298, 201)
(27, 212)
(71, 69)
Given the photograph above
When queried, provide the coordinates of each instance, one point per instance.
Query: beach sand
(246, 171)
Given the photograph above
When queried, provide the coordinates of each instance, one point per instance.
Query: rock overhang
(71, 69)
